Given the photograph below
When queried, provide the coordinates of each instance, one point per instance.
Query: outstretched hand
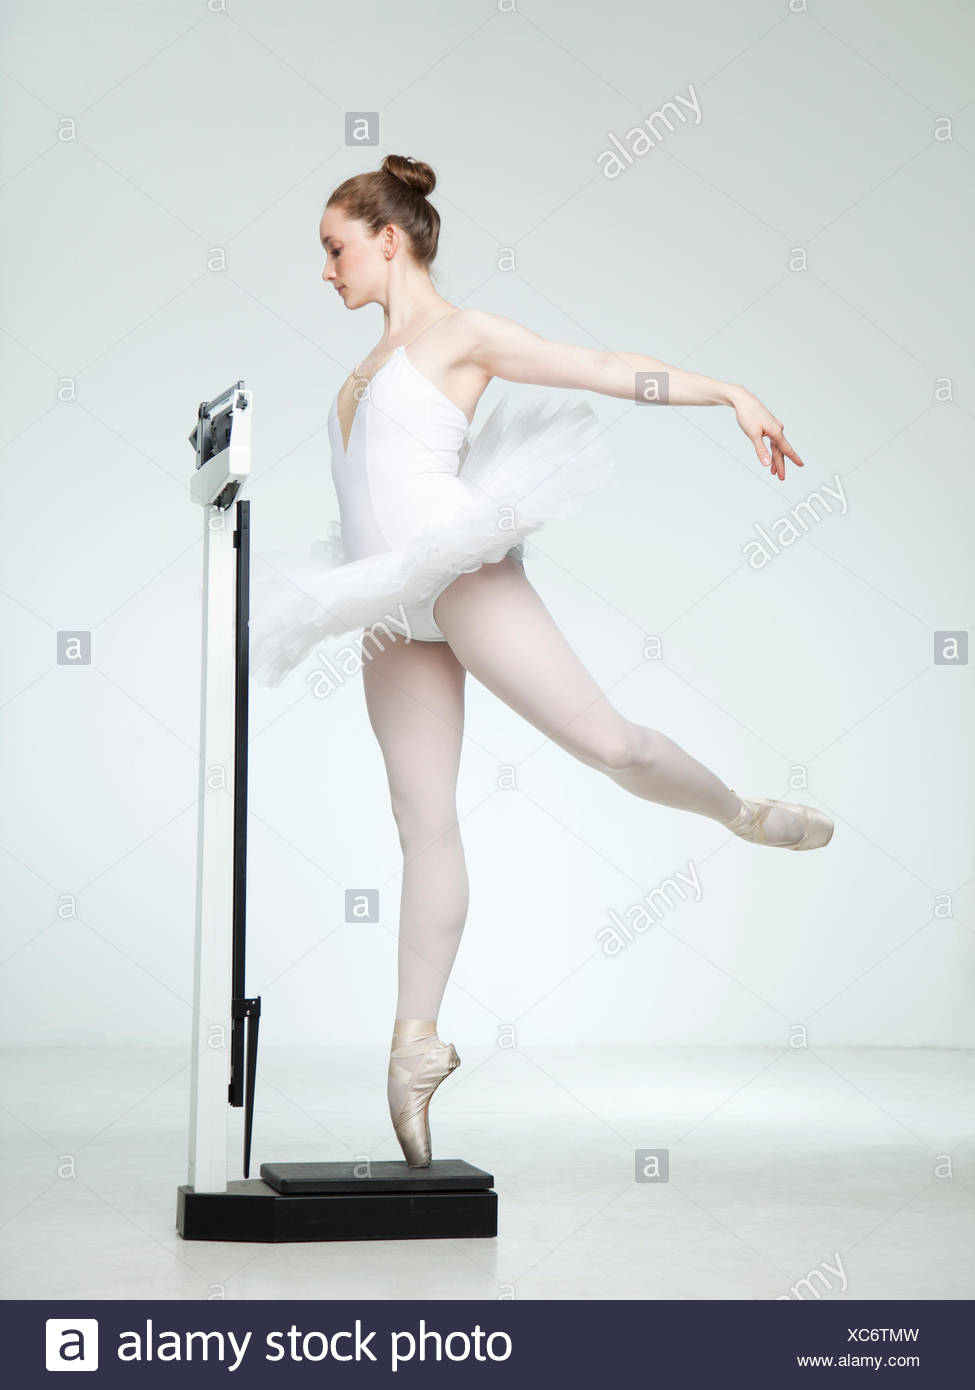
(757, 422)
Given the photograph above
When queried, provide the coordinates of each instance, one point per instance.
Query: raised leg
(501, 631)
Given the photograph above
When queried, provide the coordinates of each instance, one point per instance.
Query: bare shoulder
(473, 329)
(466, 332)
(479, 340)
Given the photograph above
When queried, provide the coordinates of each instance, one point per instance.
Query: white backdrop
(805, 232)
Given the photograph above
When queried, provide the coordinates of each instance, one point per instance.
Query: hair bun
(414, 173)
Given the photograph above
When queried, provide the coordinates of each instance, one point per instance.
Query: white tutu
(538, 464)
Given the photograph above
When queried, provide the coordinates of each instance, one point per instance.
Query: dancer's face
(354, 263)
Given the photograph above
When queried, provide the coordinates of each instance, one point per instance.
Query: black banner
(563, 1344)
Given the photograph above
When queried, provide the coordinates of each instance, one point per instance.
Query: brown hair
(396, 192)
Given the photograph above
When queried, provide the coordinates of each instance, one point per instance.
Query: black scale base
(327, 1201)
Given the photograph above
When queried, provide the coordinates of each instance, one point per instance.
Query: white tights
(498, 629)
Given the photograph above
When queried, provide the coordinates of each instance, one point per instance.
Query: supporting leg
(415, 700)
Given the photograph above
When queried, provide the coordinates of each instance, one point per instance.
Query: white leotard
(399, 472)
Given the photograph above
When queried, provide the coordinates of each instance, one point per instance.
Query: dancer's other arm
(504, 348)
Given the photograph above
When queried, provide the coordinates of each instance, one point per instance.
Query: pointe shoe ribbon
(438, 1059)
(749, 824)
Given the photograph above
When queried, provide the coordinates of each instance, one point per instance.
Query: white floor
(856, 1163)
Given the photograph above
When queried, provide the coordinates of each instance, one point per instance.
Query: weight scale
(289, 1201)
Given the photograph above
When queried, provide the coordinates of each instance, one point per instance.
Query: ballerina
(430, 564)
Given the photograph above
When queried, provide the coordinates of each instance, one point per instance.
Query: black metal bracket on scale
(375, 1200)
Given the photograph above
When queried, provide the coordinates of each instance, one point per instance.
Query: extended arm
(507, 349)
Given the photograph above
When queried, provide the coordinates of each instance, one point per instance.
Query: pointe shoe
(412, 1123)
(749, 824)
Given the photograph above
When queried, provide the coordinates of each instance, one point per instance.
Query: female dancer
(421, 528)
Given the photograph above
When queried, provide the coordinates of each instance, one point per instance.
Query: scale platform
(448, 1200)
